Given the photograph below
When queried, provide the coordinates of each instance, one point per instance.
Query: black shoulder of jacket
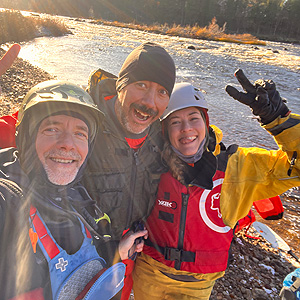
(224, 155)
(104, 88)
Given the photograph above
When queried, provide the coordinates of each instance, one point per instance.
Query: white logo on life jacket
(169, 204)
(61, 264)
(203, 212)
(213, 199)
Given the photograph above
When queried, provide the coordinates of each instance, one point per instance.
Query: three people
(209, 188)
(130, 141)
(48, 220)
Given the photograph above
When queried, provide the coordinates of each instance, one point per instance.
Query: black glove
(262, 97)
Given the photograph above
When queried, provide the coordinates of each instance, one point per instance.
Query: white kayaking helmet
(184, 95)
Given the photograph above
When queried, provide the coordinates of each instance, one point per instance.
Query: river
(210, 67)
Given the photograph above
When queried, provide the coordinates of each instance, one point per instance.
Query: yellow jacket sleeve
(254, 173)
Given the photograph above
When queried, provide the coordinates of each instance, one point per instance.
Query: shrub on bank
(14, 27)
(211, 32)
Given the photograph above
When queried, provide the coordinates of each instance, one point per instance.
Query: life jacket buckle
(173, 254)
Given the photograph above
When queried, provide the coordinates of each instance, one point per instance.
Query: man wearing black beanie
(144, 86)
(149, 62)
(125, 166)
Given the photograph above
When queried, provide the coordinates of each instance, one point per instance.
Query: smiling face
(139, 104)
(62, 146)
(186, 130)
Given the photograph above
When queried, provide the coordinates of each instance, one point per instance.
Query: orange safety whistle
(33, 238)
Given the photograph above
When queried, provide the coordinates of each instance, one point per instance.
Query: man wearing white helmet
(209, 188)
(47, 219)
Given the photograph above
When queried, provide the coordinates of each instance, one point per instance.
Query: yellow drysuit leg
(151, 281)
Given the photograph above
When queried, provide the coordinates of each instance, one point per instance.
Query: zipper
(293, 161)
(132, 186)
(132, 182)
(185, 200)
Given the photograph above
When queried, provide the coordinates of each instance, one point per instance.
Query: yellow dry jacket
(255, 173)
(252, 174)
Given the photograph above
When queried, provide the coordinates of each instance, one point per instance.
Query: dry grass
(14, 27)
(211, 32)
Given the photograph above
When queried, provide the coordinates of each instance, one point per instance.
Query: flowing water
(210, 67)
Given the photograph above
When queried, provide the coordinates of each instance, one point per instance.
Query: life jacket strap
(173, 254)
(296, 285)
(46, 240)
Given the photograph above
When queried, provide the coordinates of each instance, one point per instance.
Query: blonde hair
(176, 165)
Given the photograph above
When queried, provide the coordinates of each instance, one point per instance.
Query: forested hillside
(275, 19)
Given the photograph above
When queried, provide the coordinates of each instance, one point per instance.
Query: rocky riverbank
(256, 271)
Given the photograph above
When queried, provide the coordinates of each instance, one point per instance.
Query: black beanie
(149, 62)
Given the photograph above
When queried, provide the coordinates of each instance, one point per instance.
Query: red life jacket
(270, 208)
(186, 230)
(8, 130)
(245, 222)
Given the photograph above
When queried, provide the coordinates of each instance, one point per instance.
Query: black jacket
(16, 254)
(123, 182)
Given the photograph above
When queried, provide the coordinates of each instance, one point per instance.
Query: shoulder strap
(45, 240)
(11, 187)
(96, 76)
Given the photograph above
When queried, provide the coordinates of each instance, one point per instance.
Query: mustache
(63, 154)
(144, 109)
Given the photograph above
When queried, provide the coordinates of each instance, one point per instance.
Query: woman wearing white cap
(209, 188)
